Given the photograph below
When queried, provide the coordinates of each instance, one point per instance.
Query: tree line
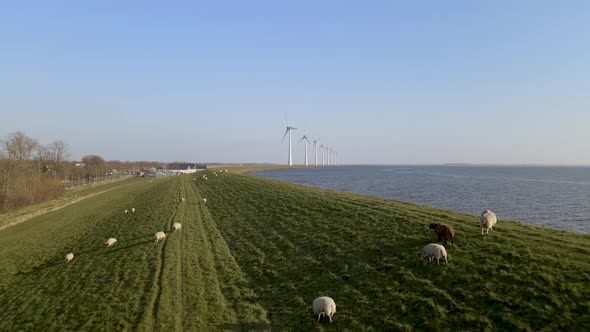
(31, 172)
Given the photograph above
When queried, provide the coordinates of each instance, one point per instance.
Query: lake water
(556, 197)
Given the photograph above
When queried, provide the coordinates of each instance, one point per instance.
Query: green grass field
(259, 251)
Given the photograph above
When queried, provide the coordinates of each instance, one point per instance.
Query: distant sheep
(182, 199)
(435, 250)
(487, 220)
(324, 306)
(443, 231)
(176, 226)
(69, 257)
(110, 242)
(204, 200)
(132, 209)
(160, 236)
(126, 211)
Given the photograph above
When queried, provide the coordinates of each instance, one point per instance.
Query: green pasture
(259, 251)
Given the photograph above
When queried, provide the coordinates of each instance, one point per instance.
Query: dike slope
(259, 251)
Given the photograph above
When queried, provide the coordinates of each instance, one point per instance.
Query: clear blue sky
(381, 81)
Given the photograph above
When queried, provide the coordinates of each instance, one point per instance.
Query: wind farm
(329, 154)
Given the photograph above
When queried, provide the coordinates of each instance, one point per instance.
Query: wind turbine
(315, 150)
(333, 156)
(304, 138)
(323, 150)
(288, 131)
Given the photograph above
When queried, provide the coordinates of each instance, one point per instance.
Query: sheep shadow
(119, 248)
(78, 254)
(48, 264)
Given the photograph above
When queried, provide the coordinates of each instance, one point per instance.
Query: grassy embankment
(258, 253)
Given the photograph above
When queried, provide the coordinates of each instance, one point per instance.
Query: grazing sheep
(204, 200)
(443, 231)
(126, 211)
(324, 306)
(132, 209)
(110, 242)
(435, 250)
(69, 257)
(487, 220)
(160, 236)
(176, 226)
(182, 199)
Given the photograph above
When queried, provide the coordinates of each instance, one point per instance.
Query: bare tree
(58, 151)
(19, 146)
(95, 165)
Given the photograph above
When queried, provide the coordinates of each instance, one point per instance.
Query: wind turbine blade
(302, 138)
(286, 131)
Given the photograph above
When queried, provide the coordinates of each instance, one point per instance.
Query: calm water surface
(557, 197)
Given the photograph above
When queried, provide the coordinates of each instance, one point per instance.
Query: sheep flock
(324, 306)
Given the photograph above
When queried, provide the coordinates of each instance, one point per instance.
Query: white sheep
(487, 220)
(324, 306)
(204, 200)
(110, 242)
(435, 250)
(126, 211)
(176, 226)
(182, 199)
(69, 257)
(132, 209)
(160, 236)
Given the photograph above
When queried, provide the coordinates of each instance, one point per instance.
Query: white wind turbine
(288, 131)
(329, 156)
(333, 156)
(315, 150)
(304, 138)
(323, 150)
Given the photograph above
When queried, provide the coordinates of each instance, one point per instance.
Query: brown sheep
(443, 231)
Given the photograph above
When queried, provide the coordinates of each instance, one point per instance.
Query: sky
(383, 82)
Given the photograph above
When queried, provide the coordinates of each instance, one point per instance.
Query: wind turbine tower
(304, 138)
(333, 156)
(323, 150)
(315, 150)
(288, 131)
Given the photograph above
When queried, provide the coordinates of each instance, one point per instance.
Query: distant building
(185, 168)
